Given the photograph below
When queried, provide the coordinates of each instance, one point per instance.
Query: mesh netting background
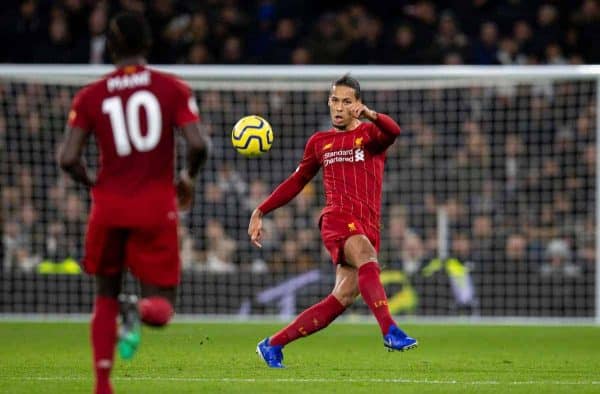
(488, 205)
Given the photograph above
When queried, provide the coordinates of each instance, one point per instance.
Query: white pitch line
(315, 380)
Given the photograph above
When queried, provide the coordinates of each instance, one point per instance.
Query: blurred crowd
(322, 32)
(509, 169)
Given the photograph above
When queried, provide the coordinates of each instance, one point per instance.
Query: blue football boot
(271, 355)
(396, 339)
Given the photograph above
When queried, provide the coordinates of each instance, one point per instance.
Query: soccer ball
(252, 136)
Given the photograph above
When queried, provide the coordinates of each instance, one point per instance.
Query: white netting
(488, 208)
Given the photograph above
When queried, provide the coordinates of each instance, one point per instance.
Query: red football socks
(104, 337)
(310, 321)
(155, 311)
(373, 293)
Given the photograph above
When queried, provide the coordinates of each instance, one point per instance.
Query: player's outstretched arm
(285, 192)
(69, 155)
(198, 149)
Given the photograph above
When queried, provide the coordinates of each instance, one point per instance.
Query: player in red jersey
(352, 155)
(132, 113)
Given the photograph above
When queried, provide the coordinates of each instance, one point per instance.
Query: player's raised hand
(185, 191)
(255, 229)
(358, 110)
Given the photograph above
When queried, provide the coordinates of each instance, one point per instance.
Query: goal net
(489, 202)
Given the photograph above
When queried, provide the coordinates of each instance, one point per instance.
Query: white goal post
(487, 197)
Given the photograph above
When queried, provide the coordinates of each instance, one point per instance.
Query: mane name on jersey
(128, 81)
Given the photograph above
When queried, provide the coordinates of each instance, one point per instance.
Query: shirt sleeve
(288, 189)
(309, 165)
(186, 109)
(385, 132)
(79, 114)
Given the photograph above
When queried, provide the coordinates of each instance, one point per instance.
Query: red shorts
(337, 227)
(150, 253)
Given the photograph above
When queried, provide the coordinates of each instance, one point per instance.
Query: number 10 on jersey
(125, 121)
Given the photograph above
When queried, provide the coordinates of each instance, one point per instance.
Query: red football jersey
(132, 113)
(353, 163)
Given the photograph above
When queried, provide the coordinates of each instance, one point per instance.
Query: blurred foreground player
(132, 113)
(352, 154)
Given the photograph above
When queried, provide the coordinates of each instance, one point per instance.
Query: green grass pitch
(345, 358)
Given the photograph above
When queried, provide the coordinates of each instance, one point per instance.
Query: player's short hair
(128, 35)
(347, 80)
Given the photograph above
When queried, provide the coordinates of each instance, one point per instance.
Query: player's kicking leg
(312, 319)
(154, 309)
(308, 322)
(360, 253)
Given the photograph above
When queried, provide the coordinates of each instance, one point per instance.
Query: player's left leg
(360, 253)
